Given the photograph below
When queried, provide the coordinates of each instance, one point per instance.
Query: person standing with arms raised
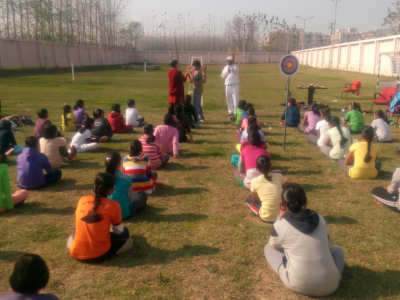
(230, 74)
(176, 84)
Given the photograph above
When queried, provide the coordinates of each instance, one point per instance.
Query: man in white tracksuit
(231, 76)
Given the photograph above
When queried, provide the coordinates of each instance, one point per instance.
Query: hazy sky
(363, 14)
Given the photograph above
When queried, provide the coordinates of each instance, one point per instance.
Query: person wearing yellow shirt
(266, 191)
(68, 122)
(363, 154)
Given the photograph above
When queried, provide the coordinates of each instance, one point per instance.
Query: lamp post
(304, 27)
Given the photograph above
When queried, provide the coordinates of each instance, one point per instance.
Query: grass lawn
(198, 239)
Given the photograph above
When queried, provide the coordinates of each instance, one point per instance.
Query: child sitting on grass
(137, 167)
(389, 196)
(265, 190)
(252, 123)
(248, 159)
(239, 112)
(116, 120)
(167, 136)
(8, 200)
(30, 275)
(8, 145)
(130, 202)
(337, 140)
(41, 122)
(292, 114)
(383, 133)
(82, 141)
(311, 118)
(79, 113)
(151, 149)
(251, 113)
(364, 154)
(53, 147)
(190, 112)
(68, 121)
(300, 250)
(30, 166)
(92, 240)
(321, 128)
(132, 115)
(101, 130)
(355, 118)
(185, 133)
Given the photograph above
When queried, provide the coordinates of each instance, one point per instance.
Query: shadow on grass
(67, 184)
(276, 156)
(385, 175)
(167, 190)
(78, 165)
(363, 283)
(340, 220)
(151, 214)
(314, 187)
(287, 171)
(211, 152)
(207, 142)
(145, 254)
(37, 208)
(11, 256)
(281, 143)
(172, 166)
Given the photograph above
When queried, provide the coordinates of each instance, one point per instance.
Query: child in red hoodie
(116, 120)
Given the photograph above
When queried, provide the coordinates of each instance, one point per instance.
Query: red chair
(353, 88)
(386, 95)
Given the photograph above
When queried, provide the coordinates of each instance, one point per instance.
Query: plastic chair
(353, 88)
(385, 96)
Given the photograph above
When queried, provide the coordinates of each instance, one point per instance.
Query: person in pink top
(167, 136)
(151, 149)
(250, 114)
(311, 118)
(248, 158)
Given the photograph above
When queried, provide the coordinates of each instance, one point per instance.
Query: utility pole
(335, 3)
(304, 28)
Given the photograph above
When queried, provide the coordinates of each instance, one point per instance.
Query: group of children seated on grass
(334, 138)
(299, 249)
(119, 192)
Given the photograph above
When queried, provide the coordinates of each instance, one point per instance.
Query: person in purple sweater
(30, 166)
(79, 113)
(29, 276)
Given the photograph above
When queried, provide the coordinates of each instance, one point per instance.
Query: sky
(362, 14)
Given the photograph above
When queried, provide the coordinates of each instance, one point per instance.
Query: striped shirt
(152, 151)
(138, 168)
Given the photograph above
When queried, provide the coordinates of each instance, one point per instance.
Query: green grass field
(198, 240)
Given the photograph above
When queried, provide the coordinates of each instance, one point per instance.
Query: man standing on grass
(176, 84)
(231, 76)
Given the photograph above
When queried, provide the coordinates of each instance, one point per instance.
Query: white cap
(230, 57)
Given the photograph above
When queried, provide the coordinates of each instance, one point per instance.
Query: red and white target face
(289, 65)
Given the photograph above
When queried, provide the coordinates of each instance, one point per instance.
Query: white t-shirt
(230, 75)
(81, 138)
(322, 127)
(132, 116)
(382, 130)
(338, 151)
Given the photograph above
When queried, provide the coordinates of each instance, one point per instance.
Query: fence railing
(48, 55)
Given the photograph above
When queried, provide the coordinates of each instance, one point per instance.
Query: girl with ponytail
(151, 149)
(383, 133)
(355, 118)
(337, 140)
(364, 155)
(129, 201)
(265, 191)
(92, 240)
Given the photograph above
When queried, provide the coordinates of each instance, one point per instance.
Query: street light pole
(304, 27)
(335, 3)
